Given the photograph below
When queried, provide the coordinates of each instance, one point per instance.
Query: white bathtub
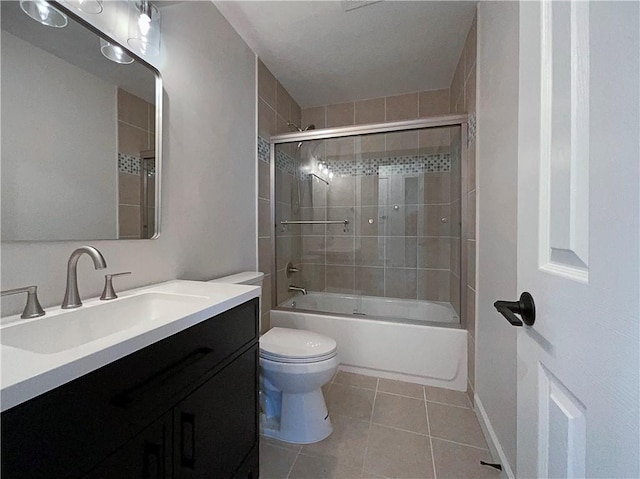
(426, 348)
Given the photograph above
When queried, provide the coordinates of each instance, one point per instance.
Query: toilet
(294, 365)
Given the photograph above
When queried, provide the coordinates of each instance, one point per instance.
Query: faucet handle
(108, 292)
(291, 269)
(32, 309)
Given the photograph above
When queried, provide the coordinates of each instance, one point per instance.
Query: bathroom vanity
(184, 406)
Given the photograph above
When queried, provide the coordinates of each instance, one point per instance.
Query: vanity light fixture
(144, 32)
(45, 13)
(86, 6)
(115, 53)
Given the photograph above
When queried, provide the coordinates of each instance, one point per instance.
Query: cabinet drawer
(65, 432)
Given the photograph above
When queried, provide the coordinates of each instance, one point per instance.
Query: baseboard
(492, 439)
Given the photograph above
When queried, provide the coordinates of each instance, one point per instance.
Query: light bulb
(325, 171)
(43, 11)
(118, 52)
(114, 53)
(144, 23)
(86, 6)
(144, 31)
(330, 174)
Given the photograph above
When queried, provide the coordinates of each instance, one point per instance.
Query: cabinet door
(216, 427)
(147, 456)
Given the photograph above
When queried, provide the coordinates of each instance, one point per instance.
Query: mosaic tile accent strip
(285, 162)
(129, 164)
(263, 150)
(132, 164)
(393, 165)
(471, 137)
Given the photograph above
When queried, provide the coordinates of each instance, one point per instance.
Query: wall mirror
(80, 134)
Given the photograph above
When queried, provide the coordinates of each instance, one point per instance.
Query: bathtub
(406, 340)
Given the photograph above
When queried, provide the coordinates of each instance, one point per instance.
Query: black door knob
(525, 307)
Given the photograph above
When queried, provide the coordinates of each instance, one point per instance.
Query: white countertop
(27, 374)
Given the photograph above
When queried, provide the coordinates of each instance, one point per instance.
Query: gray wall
(48, 145)
(497, 141)
(209, 181)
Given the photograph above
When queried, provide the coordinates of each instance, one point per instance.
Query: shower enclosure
(368, 220)
(147, 193)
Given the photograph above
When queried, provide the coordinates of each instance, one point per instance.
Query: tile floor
(386, 429)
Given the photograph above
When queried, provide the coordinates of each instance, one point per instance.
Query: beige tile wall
(400, 107)
(403, 252)
(136, 133)
(463, 99)
(275, 109)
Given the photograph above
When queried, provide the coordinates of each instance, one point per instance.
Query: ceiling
(323, 54)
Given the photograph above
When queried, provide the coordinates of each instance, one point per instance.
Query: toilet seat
(296, 346)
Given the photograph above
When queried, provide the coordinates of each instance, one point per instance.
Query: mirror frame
(158, 126)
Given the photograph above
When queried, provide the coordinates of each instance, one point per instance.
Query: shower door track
(326, 133)
(460, 120)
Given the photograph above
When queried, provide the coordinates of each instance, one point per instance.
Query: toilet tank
(248, 277)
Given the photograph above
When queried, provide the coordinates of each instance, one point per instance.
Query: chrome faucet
(297, 288)
(71, 296)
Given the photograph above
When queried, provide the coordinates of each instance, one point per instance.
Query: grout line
(373, 404)
(401, 395)
(355, 387)
(426, 410)
(400, 429)
(461, 443)
(293, 463)
(452, 405)
(366, 447)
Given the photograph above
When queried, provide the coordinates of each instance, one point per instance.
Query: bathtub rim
(364, 317)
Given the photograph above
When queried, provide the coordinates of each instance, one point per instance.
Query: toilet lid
(296, 345)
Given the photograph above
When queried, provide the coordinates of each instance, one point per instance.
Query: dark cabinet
(183, 407)
(147, 456)
(214, 427)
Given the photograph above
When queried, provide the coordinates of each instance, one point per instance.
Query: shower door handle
(525, 307)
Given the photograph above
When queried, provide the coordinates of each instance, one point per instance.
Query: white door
(578, 239)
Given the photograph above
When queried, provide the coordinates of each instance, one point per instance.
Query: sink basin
(54, 334)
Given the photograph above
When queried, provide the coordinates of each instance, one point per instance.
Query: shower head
(293, 126)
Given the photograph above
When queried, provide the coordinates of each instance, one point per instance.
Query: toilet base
(304, 419)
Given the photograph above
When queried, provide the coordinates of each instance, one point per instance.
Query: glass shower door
(371, 219)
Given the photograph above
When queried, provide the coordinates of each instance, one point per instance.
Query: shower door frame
(460, 120)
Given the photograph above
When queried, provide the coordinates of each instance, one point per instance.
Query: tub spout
(297, 288)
